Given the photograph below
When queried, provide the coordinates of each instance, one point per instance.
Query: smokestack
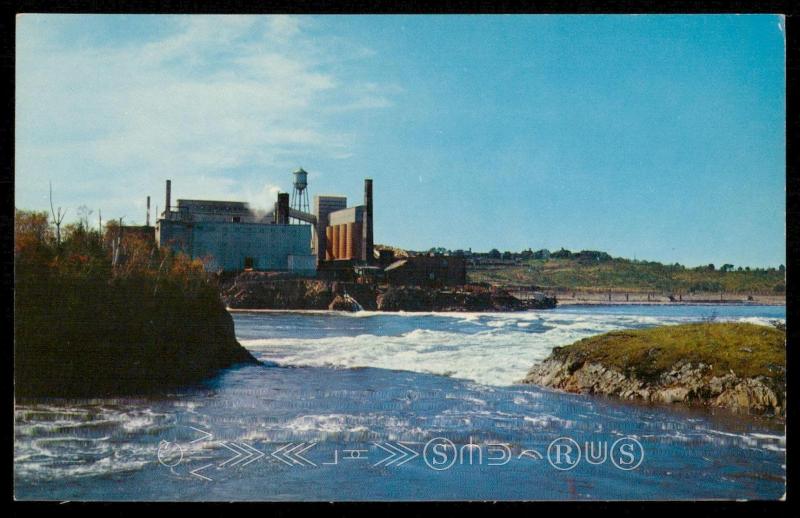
(148, 212)
(169, 199)
(366, 241)
(282, 209)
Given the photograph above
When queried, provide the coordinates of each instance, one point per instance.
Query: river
(403, 406)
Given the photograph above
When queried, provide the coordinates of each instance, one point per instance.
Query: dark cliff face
(254, 290)
(75, 338)
(258, 291)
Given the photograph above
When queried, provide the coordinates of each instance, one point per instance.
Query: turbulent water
(401, 406)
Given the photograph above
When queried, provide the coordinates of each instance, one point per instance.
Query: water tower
(300, 193)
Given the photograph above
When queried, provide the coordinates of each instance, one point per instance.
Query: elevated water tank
(300, 179)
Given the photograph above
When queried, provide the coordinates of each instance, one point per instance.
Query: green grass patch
(749, 350)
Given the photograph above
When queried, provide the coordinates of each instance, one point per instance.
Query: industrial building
(230, 236)
(326, 239)
(340, 233)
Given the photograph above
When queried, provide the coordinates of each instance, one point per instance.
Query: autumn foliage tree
(88, 323)
(85, 252)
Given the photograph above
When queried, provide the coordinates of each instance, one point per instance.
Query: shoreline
(565, 304)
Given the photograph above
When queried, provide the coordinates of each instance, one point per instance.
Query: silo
(349, 252)
(334, 242)
(328, 243)
(357, 239)
(342, 241)
(323, 206)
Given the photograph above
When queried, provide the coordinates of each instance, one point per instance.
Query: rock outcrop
(344, 303)
(467, 298)
(574, 370)
(258, 290)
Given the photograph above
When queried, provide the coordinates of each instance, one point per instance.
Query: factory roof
(214, 202)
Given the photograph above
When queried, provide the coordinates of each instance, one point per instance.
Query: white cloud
(218, 101)
(282, 26)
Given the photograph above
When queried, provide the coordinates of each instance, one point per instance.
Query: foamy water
(345, 381)
(489, 348)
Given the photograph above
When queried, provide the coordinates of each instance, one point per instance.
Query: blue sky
(655, 137)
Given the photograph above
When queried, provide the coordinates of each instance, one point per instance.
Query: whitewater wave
(53, 442)
(500, 352)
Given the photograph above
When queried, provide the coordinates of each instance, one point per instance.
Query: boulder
(342, 303)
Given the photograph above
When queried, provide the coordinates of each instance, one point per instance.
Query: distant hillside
(625, 275)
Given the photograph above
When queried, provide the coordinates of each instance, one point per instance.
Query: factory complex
(324, 239)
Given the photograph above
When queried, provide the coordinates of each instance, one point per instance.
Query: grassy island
(749, 350)
(741, 366)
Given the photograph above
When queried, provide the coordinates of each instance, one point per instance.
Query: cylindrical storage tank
(337, 238)
(349, 252)
(342, 241)
(357, 239)
(334, 243)
(328, 243)
(335, 247)
(300, 179)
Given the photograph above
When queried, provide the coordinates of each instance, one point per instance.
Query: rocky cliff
(466, 298)
(256, 290)
(736, 366)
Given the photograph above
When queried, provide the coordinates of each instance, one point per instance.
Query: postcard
(400, 257)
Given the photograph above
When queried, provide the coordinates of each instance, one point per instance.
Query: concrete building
(229, 236)
(341, 233)
(348, 231)
(323, 206)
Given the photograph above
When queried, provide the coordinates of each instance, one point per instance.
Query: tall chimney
(282, 209)
(148, 212)
(366, 241)
(169, 199)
